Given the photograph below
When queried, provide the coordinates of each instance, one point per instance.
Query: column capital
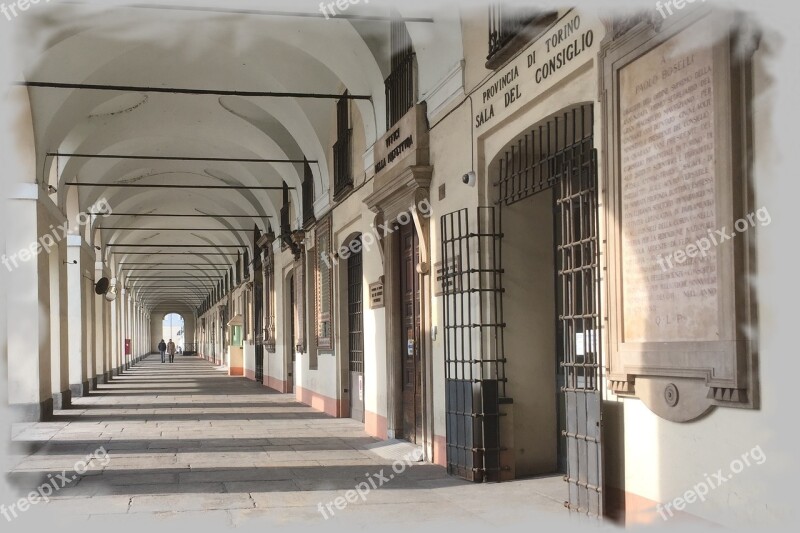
(24, 191)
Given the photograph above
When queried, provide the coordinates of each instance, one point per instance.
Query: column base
(32, 412)
(80, 390)
(62, 400)
(93, 383)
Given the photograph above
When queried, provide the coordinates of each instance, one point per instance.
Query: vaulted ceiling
(130, 56)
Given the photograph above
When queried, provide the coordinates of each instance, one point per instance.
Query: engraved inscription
(668, 187)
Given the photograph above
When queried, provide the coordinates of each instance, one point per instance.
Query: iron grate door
(475, 381)
(578, 257)
(559, 155)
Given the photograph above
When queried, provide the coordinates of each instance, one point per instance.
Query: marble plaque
(670, 289)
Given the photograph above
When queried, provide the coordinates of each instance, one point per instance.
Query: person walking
(171, 351)
(162, 347)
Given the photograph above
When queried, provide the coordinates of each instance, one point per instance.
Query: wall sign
(406, 144)
(376, 300)
(572, 41)
(453, 283)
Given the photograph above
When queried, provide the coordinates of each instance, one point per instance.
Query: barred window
(513, 28)
(324, 285)
(300, 304)
(269, 301)
(342, 150)
(401, 84)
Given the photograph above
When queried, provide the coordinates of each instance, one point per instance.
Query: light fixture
(52, 189)
(71, 262)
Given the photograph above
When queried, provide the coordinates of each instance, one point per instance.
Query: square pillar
(76, 330)
(28, 296)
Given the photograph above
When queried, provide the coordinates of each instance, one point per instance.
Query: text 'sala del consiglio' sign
(570, 43)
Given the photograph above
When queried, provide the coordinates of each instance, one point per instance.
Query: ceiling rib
(177, 90)
(267, 13)
(173, 215)
(176, 186)
(180, 158)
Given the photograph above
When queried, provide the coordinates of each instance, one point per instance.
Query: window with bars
(286, 223)
(237, 278)
(355, 307)
(510, 29)
(324, 285)
(300, 308)
(401, 83)
(269, 301)
(308, 195)
(246, 326)
(343, 149)
(257, 260)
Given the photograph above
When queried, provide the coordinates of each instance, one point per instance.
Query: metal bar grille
(473, 338)
(343, 164)
(536, 160)
(507, 25)
(579, 287)
(355, 309)
(269, 300)
(308, 195)
(258, 324)
(401, 84)
(342, 149)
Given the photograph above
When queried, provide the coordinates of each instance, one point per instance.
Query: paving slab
(186, 442)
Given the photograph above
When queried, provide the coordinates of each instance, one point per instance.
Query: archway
(547, 194)
(174, 327)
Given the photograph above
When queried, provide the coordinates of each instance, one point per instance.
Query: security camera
(470, 178)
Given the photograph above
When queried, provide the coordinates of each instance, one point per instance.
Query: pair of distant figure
(167, 348)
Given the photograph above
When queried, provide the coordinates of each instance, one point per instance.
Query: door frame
(394, 333)
(342, 322)
(584, 402)
(288, 332)
(409, 188)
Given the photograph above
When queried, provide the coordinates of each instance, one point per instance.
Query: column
(28, 319)
(113, 332)
(78, 377)
(99, 332)
(87, 268)
(59, 334)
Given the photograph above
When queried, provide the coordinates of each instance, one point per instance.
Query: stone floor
(184, 440)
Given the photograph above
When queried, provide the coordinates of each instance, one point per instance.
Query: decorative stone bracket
(404, 195)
